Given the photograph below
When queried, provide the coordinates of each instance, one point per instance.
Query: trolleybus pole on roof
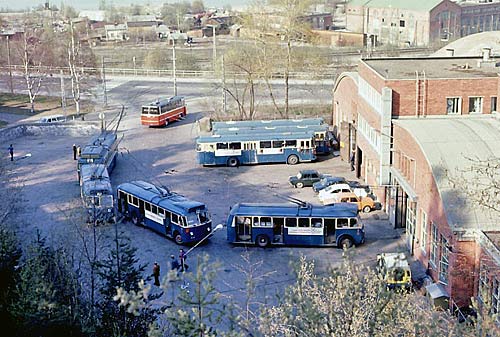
(174, 70)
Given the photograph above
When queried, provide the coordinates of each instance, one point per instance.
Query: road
(46, 184)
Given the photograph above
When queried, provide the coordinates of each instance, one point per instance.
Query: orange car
(365, 204)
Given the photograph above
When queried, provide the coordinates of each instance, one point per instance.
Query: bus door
(243, 228)
(250, 152)
(122, 202)
(329, 230)
(278, 230)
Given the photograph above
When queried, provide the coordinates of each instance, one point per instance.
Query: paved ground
(47, 185)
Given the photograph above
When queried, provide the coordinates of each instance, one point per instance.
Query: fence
(327, 74)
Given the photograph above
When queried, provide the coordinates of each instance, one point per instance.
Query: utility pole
(63, 94)
(135, 69)
(10, 69)
(215, 49)
(173, 67)
(224, 102)
(104, 83)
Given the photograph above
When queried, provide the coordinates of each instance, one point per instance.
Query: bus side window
(154, 209)
(342, 223)
(136, 201)
(353, 222)
(175, 218)
(222, 146)
(317, 222)
(277, 144)
(291, 222)
(235, 146)
(256, 222)
(161, 212)
(303, 222)
(265, 221)
(147, 206)
(291, 143)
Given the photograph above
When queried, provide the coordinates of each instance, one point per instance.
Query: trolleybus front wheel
(346, 243)
(178, 238)
(232, 162)
(292, 160)
(262, 241)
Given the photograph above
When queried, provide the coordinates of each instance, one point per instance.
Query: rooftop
(434, 67)
(447, 143)
(421, 5)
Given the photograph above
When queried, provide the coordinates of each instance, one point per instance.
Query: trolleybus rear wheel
(262, 241)
(292, 160)
(232, 162)
(178, 238)
(346, 243)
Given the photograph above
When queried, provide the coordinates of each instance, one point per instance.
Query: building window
(453, 105)
(443, 262)
(495, 299)
(493, 104)
(401, 23)
(423, 231)
(475, 105)
(434, 244)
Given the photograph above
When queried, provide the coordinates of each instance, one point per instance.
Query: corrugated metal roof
(420, 5)
(447, 143)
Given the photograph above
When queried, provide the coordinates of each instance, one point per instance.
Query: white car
(331, 190)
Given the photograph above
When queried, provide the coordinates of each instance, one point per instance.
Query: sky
(93, 4)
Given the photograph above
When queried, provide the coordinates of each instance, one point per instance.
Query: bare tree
(32, 55)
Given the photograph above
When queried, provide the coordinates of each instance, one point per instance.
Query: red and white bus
(162, 112)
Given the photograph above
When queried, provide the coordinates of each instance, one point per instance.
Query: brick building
(412, 124)
(479, 17)
(402, 22)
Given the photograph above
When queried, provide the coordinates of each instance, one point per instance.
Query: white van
(53, 119)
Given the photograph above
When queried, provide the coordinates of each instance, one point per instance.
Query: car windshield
(299, 175)
(324, 181)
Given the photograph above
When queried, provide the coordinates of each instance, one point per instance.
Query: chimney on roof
(486, 61)
(450, 52)
(486, 54)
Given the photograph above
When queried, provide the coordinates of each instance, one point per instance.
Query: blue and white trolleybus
(302, 224)
(165, 212)
(234, 150)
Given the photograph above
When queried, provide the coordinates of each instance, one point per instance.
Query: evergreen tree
(10, 253)
(121, 270)
(46, 301)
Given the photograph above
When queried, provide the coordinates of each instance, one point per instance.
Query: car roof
(345, 194)
(308, 171)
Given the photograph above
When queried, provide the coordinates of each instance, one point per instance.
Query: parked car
(365, 204)
(305, 178)
(394, 270)
(331, 190)
(327, 181)
(53, 119)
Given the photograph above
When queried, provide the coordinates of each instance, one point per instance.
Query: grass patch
(295, 112)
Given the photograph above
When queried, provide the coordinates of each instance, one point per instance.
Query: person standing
(174, 264)
(11, 152)
(352, 159)
(74, 151)
(182, 259)
(156, 273)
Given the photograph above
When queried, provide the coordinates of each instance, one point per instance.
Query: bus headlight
(192, 234)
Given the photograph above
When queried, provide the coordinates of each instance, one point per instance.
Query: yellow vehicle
(365, 204)
(395, 270)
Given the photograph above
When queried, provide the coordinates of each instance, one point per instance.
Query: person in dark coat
(352, 159)
(174, 264)
(11, 152)
(74, 151)
(182, 259)
(156, 273)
